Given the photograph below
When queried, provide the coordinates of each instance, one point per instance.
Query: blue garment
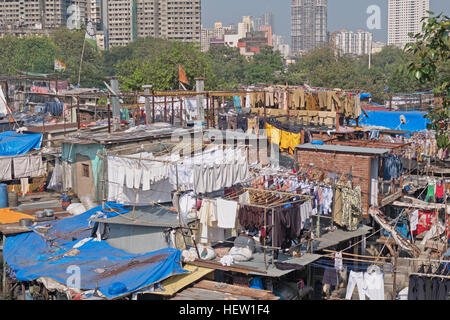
(393, 167)
(237, 101)
(55, 108)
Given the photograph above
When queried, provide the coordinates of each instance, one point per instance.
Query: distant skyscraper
(308, 25)
(268, 20)
(404, 18)
(247, 25)
(259, 22)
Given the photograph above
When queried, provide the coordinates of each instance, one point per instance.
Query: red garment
(424, 223)
(439, 191)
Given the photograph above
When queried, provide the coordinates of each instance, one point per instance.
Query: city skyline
(342, 14)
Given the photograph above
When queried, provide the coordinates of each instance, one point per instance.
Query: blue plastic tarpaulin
(13, 143)
(364, 95)
(67, 249)
(415, 120)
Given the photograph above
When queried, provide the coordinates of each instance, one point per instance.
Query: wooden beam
(233, 289)
(391, 198)
(430, 206)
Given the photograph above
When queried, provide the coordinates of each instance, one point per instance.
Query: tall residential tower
(308, 25)
(404, 18)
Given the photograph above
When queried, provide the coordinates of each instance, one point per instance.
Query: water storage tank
(3, 196)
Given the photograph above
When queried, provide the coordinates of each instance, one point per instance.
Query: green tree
(155, 62)
(228, 66)
(69, 46)
(264, 67)
(31, 54)
(430, 63)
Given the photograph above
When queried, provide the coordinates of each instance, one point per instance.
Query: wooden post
(207, 111)
(153, 106)
(181, 111)
(265, 112)
(165, 108)
(264, 239)
(109, 113)
(172, 118)
(394, 285)
(214, 113)
(273, 237)
(355, 251)
(78, 112)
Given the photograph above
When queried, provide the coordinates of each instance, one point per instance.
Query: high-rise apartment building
(404, 18)
(308, 25)
(126, 20)
(352, 43)
(33, 14)
(120, 21)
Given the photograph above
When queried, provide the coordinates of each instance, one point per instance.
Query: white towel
(226, 213)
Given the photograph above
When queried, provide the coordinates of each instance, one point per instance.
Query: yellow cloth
(275, 135)
(9, 216)
(285, 140)
(268, 129)
(294, 140)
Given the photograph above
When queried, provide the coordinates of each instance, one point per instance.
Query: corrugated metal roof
(344, 149)
(335, 237)
(257, 262)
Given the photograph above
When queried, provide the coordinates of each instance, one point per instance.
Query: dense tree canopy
(155, 61)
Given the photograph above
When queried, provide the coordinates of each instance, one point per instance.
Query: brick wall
(341, 163)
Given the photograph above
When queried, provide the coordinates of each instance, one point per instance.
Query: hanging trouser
(355, 279)
(253, 125)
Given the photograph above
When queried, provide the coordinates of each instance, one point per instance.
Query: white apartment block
(352, 43)
(33, 14)
(126, 20)
(404, 18)
(122, 21)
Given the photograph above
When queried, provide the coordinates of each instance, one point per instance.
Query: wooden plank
(435, 205)
(435, 245)
(233, 289)
(430, 206)
(203, 294)
(391, 198)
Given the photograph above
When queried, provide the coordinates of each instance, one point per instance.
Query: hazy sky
(342, 14)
